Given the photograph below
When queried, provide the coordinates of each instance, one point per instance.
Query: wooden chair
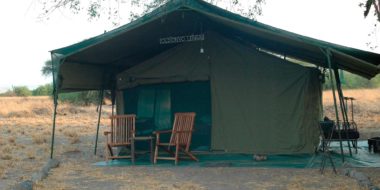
(180, 138)
(122, 133)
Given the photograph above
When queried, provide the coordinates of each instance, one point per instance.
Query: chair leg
(191, 155)
(176, 153)
(106, 152)
(155, 155)
(110, 153)
(133, 151)
(168, 151)
(151, 151)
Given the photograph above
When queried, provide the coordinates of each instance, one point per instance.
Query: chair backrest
(122, 128)
(183, 129)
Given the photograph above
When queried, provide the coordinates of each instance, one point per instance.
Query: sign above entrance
(181, 39)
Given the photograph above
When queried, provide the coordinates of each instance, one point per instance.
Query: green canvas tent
(189, 55)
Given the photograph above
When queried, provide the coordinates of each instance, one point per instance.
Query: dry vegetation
(366, 109)
(25, 133)
(25, 136)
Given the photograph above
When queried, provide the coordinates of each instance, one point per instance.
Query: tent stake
(100, 114)
(328, 56)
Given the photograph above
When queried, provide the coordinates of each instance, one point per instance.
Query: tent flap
(269, 104)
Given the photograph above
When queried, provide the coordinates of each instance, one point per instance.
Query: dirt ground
(25, 132)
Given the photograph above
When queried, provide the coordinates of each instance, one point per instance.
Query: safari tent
(255, 88)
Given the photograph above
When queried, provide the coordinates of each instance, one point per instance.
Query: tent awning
(133, 43)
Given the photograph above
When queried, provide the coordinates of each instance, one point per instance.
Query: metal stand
(333, 71)
(326, 155)
(352, 124)
(343, 107)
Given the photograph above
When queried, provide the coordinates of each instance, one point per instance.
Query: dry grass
(39, 139)
(6, 157)
(366, 106)
(25, 130)
(12, 140)
(22, 107)
(31, 154)
(72, 135)
(126, 180)
(37, 111)
(7, 149)
(2, 172)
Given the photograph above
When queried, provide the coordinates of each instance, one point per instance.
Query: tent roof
(137, 41)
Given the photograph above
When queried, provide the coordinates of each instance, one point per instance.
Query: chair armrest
(183, 131)
(159, 132)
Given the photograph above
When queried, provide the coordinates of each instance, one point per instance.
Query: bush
(22, 91)
(43, 90)
(80, 98)
(352, 81)
(8, 93)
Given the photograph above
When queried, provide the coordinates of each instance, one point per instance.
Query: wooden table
(145, 138)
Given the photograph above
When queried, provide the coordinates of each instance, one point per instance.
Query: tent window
(154, 104)
(162, 112)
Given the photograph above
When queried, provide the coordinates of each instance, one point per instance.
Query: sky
(25, 40)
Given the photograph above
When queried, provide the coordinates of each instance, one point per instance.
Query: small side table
(145, 138)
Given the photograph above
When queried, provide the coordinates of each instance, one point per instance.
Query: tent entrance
(156, 104)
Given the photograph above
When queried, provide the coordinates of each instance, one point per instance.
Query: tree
(21, 91)
(368, 5)
(43, 90)
(114, 9)
(47, 69)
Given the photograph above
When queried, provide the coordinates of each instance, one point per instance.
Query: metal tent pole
(101, 95)
(328, 56)
(55, 101)
(113, 99)
(343, 108)
(112, 114)
(54, 121)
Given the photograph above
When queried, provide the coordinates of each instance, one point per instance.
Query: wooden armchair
(122, 133)
(180, 138)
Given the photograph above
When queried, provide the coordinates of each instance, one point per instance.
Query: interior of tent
(238, 75)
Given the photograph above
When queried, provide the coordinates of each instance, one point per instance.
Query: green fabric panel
(79, 77)
(162, 109)
(120, 102)
(145, 103)
(261, 104)
(195, 97)
(182, 63)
